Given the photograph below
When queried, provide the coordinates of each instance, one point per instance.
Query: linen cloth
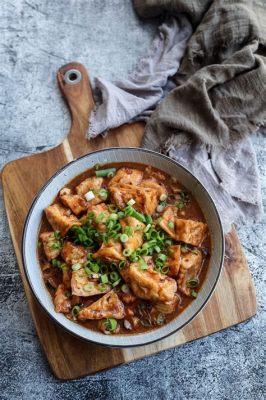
(203, 123)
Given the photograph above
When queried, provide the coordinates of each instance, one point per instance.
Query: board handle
(75, 86)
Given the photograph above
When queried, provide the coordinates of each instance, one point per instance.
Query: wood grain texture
(233, 301)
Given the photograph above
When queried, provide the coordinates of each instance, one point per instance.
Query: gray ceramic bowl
(74, 168)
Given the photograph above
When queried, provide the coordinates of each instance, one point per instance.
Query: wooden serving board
(233, 301)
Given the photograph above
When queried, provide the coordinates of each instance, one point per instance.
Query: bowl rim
(31, 285)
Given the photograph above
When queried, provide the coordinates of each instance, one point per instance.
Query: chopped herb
(88, 287)
(194, 294)
(142, 265)
(105, 172)
(180, 204)
(127, 252)
(171, 225)
(103, 193)
(110, 324)
(114, 276)
(192, 283)
(104, 278)
(75, 311)
(124, 238)
(76, 267)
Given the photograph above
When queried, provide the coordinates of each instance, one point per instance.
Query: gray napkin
(230, 175)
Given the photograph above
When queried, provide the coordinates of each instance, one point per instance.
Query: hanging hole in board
(72, 76)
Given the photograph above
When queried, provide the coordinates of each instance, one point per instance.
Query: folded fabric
(213, 105)
(221, 93)
(136, 97)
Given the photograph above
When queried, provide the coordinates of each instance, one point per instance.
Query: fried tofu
(50, 245)
(189, 269)
(73, 254)
(101, 215)
(60, 218)
(173, 260)
(128, 176)
(191, 232)
(92, 184)
(149, 284)
(111, 251)
(183, 230)
(153, 184)
(75, 202)
(135, 239)
(61, 301)
(108, 306)
(82, 285)
(145, 198)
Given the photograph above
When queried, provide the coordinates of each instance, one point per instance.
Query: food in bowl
(124, 248)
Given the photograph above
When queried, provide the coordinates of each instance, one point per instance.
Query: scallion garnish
(194, 294)
(124, 238)
(103, 193)
(110, 324)
(76, 267)
(104, 278)
(105, 172)
(127, 252)
(192, 283)
(171, 225)
(75, 311)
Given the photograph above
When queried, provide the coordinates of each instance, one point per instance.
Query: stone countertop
(36, 39)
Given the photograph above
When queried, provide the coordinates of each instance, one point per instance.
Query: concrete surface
(36, 38)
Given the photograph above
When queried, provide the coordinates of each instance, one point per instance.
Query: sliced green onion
(124, 238)
(148, 219)
(110, 324)
(104, 278)
(162, 257)
(194, 294)
(163, 197)
(140, 217)
(160, 208)
(125, 288)
(76, 267)
(75, 311)
(147, 228)
(131, 202)
(192, 283)
(113, 217)
(105, 172)
(114, 284)
(171, 225)
(168, 242)
(164, 269)
(57, 235)
(127, 252)
(102, 287)
(142, 265)
(180, 204)
(112, 208)
(194, 251)
(88, 287)
(110, 174)
(122, 264)
(97, 166)
(157, 249)
(103, 193)
(120, 214)
(114, 276)
(95, 268)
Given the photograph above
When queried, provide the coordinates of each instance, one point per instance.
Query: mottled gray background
(36, 38)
